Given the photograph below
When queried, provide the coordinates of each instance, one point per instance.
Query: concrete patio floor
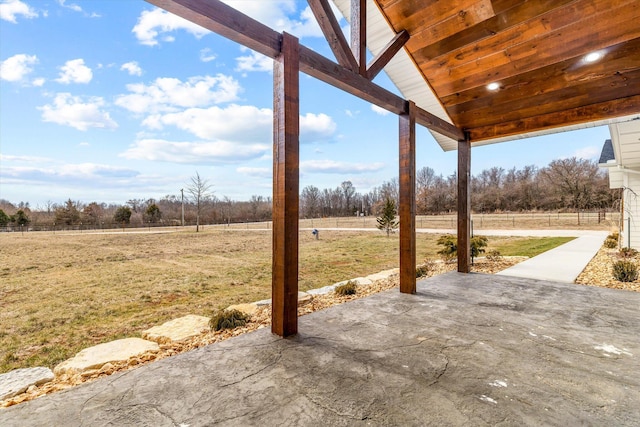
(465, 350)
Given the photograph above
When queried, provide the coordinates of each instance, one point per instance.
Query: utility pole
(182, 191)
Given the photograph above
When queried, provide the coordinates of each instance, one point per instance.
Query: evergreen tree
(4, 219)
(122, 215)
(387, 221)
(20, 218)
(153, 213)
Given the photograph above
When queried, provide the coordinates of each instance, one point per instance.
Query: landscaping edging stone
(177, 329)
(97, 356)
(18, 381)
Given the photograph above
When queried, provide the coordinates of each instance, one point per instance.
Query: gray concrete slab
(561, 264)
(472, 350)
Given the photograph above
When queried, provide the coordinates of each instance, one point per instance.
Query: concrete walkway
(472, 350)
(561, 264)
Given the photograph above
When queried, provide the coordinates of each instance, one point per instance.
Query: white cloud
(206, 55)
(72, 111)
(588, 153)
(71, 6)
(256, 172)
(331, 166)
(38, 82)
(27, 159)
(16, 67)
(254, 62)
(10, 9)
(152, 23)
(239, 123)
(169, 94)
(132, 68)
(275, 14)
(47, 170)
(379, 110)
(194, 152)
(315, 127)
(74, 71)
(235, 122)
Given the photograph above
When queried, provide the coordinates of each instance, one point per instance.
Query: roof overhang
(408, 70)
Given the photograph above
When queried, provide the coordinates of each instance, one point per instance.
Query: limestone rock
(177, 329)
(97, 356)
(18, 381)
(263, 302)
(303, 298)
(323, 290)
(249, 309)
(383, 274)
(360, 281)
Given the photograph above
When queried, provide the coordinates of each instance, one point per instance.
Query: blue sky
(109, 100)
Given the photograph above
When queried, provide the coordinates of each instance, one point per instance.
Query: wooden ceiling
(534, 50)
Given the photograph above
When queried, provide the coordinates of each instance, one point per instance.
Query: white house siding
(631, 227)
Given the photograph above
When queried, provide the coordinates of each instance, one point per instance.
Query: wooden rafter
(359, 34)
(378, 63)
(333, 33)
(234, 25)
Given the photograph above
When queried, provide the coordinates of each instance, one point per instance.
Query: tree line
(565, 184)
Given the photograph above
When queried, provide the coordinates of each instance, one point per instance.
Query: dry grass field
(63, 292)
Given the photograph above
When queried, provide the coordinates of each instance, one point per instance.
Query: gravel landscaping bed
(599, 272)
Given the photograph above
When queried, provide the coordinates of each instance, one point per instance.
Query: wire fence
(531, 220)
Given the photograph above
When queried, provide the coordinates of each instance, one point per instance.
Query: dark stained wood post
(286, 163)
(407, 208)
(464, 205)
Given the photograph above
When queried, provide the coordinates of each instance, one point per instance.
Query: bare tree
(199, 190)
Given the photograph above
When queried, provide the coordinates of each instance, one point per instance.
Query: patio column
(407, 208)
(286, 160)
(464, 205)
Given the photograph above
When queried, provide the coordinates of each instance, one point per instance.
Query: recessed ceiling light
(493, 86)
(593, 57)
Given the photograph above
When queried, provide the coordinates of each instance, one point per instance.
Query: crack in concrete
(267, 366)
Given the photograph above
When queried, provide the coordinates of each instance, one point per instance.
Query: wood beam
(359, 34)
(333, 33)
(286, 164)
(464, 205)
(590, 113)
(228, 22)
(407, 208)
(382, 59)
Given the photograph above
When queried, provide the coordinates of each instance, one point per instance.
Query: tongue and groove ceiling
(533, 50)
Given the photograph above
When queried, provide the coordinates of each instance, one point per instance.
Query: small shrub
(477, 243)
(494, 255)
(425, 268)
(228, 319)
(614, 236)
(348, 288)
(610, 243)
(627, 253)
(625, 271)
(450, 246)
